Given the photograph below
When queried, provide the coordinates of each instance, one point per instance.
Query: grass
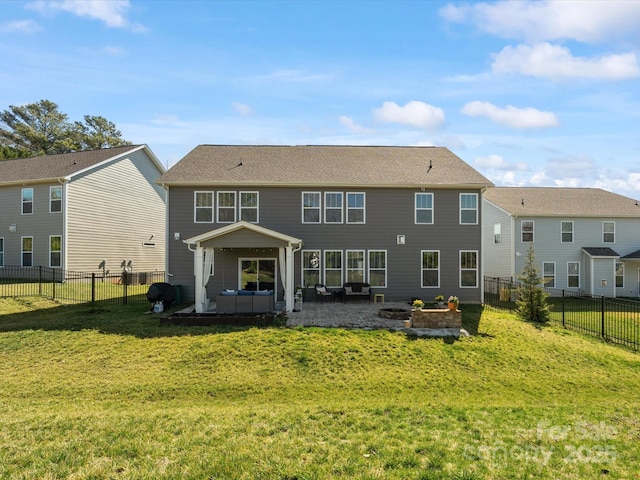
(107, 392)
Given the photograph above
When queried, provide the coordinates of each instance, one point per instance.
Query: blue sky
(543, 93)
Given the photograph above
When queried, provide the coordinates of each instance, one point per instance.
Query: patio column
(199, 271)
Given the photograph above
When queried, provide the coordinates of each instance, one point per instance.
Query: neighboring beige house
(76, 210)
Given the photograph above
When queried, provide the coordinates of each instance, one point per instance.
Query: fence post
(53, 285)
(124, 293)
(93, 287)
(563, 325)
(602, 316)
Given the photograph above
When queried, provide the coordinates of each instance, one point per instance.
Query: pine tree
(531, 304)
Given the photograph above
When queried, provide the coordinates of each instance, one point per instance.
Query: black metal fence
(615, 320)
(77, 287)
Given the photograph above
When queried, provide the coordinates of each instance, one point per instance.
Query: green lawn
(106, 392)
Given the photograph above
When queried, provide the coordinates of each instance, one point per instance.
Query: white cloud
(496, 162)
(522, 118)
(414, 113)
(242, 109)
(552, 61)
(20, 26)
(534, 21)
(112, 12)
(350, 125)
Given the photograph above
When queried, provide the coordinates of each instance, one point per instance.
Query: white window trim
(422, 269)
(51, 199)
(497, 233)
(370, 268)
(613, 233)
(256, 208)
(460, 269)
(615, 274)
(533, 231)
(56, 251)
(334, 208)
(195, 206)
(461, 209)
(305, 269)
(22, 201)
(363, 269)
(1, 252)
(555, 274)
(416, 209)
(363, 208)
(563, 232)
(22, 251)
(319, 207)
(324, 268)
(235, 206)
(573, 275)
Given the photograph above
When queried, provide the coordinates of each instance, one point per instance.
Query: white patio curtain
(208, 262)
(283, 271)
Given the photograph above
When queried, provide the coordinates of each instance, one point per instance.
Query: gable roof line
(219, 232)
(117, 157)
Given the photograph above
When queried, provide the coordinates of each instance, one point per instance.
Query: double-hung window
(378, 268)
(249, 207)
(424, 208)
(527, 231)
(573, 274)
(549, 274)
(430, 268)
(333, 207)
(55, 199)
(497, 233)
(226, 207)
(55, 251)
(1, 252)
(27, 201)
(355, 265)
(609, 232)
(619, 274)
(469, 208)
(355, 207)
(333, 268)
(203, 207)
(567, 232)
(311, 207)
(27, 251)
(310, 267)
(468, 268)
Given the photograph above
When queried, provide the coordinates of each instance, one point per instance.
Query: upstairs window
(226, 207)
(424, 208)
(249, 207)
(55, 199)
(608, 232)
(333, 207)
(311, 207)
(203, 207)
(527, 231)
(355, 207)
(567, 232)
(27, 201)
(497, 233)
(469, 208)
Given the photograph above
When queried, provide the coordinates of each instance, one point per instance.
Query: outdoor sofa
(352, 290)
(245, 301)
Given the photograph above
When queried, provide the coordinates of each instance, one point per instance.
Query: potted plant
(453, 302)
(439, 300)
(417, 304)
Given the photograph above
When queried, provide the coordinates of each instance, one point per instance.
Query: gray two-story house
(584, 239)
(406, 220)
(83, 211)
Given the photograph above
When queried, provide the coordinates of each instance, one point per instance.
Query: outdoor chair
(322, 292)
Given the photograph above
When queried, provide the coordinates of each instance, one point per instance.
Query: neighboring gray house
(407, 220)
(72, 211)
(584, 239)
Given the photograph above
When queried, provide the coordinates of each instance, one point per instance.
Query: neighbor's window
(430, 268)
(497, 233)
(378, 268)
(567, 232)
(468, 268)
(27, 201)
(469, 208)
(203, 207)
(1, 252)
(355, 265)
(27, 251)
(333, 268)
(226, 207)
(333, 207)
(608, 232)
(55, 251)
(311, 207)
(619, 274)
(55, 199)
(527, 231)
(573, 274)
(424, 208)
(249, 207)
(310, 267)
(548, 274)
(355, 207)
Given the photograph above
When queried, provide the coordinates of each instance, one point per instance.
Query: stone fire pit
(394, 313)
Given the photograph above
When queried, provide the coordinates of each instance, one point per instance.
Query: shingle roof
(556, 201)
(632, 255)
(600, 251)
(322, 165)
(55, 166)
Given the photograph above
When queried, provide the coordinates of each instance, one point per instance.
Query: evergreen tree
(531, 304)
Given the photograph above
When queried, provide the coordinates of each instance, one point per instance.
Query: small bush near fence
(77, 287)
(615, 320)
